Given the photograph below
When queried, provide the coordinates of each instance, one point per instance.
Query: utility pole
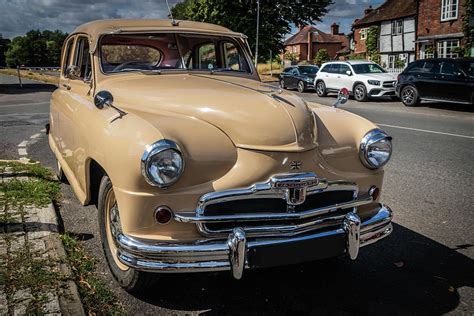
(258, 25)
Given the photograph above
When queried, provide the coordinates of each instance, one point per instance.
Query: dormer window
(363, 34)
(449, 10)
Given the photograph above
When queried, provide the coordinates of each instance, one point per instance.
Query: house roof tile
(389, 10)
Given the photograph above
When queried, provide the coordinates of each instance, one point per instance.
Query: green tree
(321, 57)
(276, 17)
(4, 44)
(36, 48)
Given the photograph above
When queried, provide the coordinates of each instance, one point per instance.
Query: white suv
(362, 78)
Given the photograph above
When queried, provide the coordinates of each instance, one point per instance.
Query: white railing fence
(395, 71)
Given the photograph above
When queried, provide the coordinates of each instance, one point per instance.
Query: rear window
(119, 54)
(468, 67)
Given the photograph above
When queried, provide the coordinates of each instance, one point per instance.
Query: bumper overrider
(255, 240)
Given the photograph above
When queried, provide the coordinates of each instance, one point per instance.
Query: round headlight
(162, 163)
(375, 149)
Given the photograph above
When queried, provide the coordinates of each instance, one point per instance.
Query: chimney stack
(368, 10)
(335, 29)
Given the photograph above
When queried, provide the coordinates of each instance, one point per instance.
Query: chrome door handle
(65, 85)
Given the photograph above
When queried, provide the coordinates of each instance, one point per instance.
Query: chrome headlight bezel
(154, 149)
(372, 137)
(374, 82)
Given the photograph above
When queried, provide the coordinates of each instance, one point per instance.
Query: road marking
(426, 131)
(23, 104)
(22, 147)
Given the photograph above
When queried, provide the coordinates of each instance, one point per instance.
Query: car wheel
(409, 96)
(301, 86)
(282, 84)
(321, 89)
(109, 223)
(60, 173)
(360, 93)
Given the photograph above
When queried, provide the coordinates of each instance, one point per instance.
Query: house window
(449, 10)
(397, 27)
(445, 47)
(363, 34)
(427, 51)
(391, 61)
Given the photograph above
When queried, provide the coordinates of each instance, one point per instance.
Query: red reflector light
(163, 215)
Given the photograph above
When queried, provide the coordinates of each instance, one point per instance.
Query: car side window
(233, 59)
(335, 69)
(428, 66)
(294, 72)
(326, 68)
(287, 70)
(83, 58)
(449, 68)
(207, 56)
(343, 69)
(67, 54)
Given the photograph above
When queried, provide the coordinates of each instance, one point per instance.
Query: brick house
(439, 27)
(334, 42)
(396, 20)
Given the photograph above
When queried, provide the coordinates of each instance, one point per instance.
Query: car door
(425, 78)
(78, 109)
(60, 95)
(452, 83)
(342, 79)
(331, 81)
(293, 78)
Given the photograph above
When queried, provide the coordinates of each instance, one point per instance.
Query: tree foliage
(276, 18)
(372, 44)
(321, 57)
(4, 44)
(36, 48)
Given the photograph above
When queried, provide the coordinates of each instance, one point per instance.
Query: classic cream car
(196, 165)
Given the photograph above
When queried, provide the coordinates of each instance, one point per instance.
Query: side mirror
(102, 99)
(348, 72)
(342, 97)
(73, 72)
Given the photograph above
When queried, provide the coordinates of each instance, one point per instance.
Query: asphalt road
(425, 267)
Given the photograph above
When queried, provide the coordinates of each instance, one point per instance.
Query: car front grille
(275, 207)
(389, 84)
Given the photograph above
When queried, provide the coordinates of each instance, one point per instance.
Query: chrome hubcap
(282, 84)
(114, 221)
(359, 92)
(408, 96)
(320, 88)
(301, 87)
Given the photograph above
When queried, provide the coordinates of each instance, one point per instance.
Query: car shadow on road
(27, 88)
(448, 106)
(406, 273)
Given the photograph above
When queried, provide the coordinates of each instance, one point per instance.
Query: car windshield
(468, 67)
(156, 52)
(309, 70)
(367, 69)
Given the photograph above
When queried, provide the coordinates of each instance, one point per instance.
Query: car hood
(252, 114)
(381, 76)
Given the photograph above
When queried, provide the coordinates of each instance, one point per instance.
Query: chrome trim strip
(221, 255)
(180, 217)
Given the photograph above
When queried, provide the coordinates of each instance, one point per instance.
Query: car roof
(95, 29)
(349, 62)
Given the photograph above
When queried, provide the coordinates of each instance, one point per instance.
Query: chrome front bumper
(238, 251)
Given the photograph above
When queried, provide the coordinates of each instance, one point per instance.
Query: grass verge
(97, 297)
(23, 268)
(31, 75)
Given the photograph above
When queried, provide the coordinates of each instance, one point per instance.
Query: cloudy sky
(19, 16)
